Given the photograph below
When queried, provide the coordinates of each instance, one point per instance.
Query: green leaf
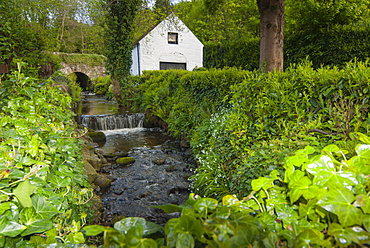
(38, 226)
(169, 208)
(185, 240)
(327, 178)
(23, 192)
(230, 200)
(60, 182)
(190, 225)
(339, 201)
(270, 241)
(125, 224)
(4, 207)
(45, 209)
(94, 230)
(331, 149)
(308, 238)
(10, 228)
(244, 236)
(303, 187)
(363, 201)
(205, 205)
(305, 151)
(366, 222)
(324, 163)
(262, 183)
(344, 235)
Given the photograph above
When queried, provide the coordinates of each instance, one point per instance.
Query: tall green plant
(44, 192)
(119, 20)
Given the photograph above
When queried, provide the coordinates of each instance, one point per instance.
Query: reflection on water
(122, 140)
(97, 105)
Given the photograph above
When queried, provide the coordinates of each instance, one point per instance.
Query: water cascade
(112, 122)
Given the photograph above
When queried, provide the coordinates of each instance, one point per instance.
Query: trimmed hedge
(243, 123)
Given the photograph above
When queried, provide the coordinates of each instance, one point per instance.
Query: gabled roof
(172, 15)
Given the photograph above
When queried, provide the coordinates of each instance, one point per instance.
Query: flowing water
(147, 182)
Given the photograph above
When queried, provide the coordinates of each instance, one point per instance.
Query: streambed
(159, 174)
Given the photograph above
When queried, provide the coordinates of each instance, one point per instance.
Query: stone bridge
(86, 67)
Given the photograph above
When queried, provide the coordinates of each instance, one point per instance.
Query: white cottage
(169, 45)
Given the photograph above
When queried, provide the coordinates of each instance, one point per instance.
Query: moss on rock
(125, 160)
(97, 136)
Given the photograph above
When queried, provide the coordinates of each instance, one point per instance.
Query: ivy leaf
(270, 241)
(4, 207)
(366, 222)
(339, 201)
(190, 225)
(303, 187)
(324, 163)
(10, 228)
(23, 192)
(204, 205)
(244, 236)
(185, 240)
(94, 230)
(125, 224)
(308, 238)
(44, 209)
(327, 178)
(262, 183)
(345, 235)
(38, 226)
(363, 201)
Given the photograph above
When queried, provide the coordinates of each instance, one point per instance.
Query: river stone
(94, 160)
(90, 171)
(125, 160)
(159, 161)
(103, 182)
(97, 136)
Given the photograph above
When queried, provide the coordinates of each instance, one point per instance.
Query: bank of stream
(158, 175)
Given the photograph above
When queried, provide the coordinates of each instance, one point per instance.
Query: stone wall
(91, 71)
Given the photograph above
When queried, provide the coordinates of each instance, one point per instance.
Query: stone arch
(84, 81)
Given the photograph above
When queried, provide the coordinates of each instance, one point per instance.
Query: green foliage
(243, 124)
(102, 85)
(331, 46)
(240, 54)
(119, 20)
(44, 191)
(85, 59)
(129, 232)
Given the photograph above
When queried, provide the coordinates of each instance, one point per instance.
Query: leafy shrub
(102, 84)
(335, 45)
(242, 124)
(241, 54)
(44, 191)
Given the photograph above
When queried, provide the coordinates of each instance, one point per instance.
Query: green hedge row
(242, 124)
(333, 46)
(336, 45)
(241, 54)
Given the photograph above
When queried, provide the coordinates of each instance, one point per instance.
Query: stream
(159, 174)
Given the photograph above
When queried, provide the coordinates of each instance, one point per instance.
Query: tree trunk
(272, 34)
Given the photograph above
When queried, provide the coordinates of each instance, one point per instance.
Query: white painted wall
(154, 47)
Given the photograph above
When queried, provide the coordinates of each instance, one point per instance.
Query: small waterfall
(112, 122)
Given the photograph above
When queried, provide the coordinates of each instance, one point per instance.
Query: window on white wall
(172, 66)
(173, 38)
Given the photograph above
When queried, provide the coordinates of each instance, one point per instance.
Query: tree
(272, 34)
(271, 14)
(119, 20)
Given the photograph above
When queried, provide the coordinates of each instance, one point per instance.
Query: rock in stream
(158, 176)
